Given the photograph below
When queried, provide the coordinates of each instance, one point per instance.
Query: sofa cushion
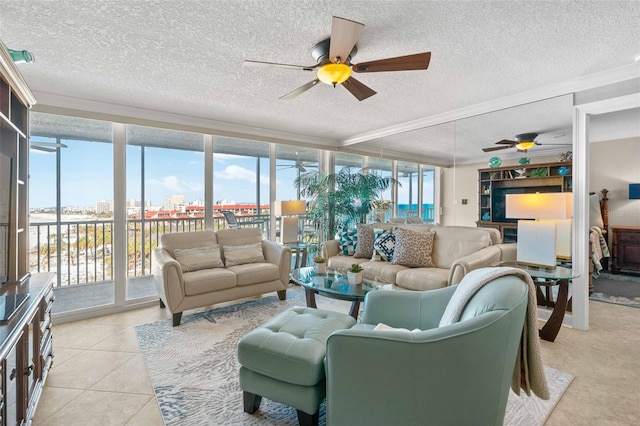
(421, 279)
(348, 240)
(183, 240)
(384, 243)
(255, 273)
(453, 243)
(240, 255)
(238, 236)
(208, 280)
(196, 258)
(383, 272)
(364, 248)
(413, 249)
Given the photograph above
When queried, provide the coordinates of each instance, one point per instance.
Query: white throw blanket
(528, 374)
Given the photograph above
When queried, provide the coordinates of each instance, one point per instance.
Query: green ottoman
(283, 360)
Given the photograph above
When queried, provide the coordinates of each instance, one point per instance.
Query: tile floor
(99, 376)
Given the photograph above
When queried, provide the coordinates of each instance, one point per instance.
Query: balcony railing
(81, 252)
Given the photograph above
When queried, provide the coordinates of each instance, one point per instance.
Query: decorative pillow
(595, 214)
(194, 259)
(384, 243)
(239, 255)
(413, 249)
(348, 240)
(365, 237)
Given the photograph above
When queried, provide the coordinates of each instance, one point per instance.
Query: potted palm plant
(319, 264)
(354, 274)
(342, 199)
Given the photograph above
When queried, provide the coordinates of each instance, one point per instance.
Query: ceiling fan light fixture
(524, 146)
(334, 73)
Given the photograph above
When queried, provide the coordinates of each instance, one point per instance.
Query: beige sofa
(457, 250)
(180, 290)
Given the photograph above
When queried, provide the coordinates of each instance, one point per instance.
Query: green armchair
(458, 374)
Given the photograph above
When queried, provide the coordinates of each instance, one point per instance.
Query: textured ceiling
(185, 57)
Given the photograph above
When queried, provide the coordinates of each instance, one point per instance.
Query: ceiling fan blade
(358, 89)
(495, 148)
(419, 61)
(506, 142)
(300, 90)
(42, 148)
(273, 64)
(344, 36)
(49, 144)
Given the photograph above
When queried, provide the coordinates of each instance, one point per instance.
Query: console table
(26, 353)
(625, 250)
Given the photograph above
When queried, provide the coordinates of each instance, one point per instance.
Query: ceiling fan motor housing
(526, 137)
(320, 53)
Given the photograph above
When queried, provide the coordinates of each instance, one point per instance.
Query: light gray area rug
(194, 369)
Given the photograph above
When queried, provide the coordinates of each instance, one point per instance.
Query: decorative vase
(495, 162)
(354, 277)
(564, 170)
(320, 268)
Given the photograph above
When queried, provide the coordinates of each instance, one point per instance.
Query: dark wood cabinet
(625, 250)
(26, 352)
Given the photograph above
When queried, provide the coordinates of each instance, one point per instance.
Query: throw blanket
(599, 249)
(528, 374)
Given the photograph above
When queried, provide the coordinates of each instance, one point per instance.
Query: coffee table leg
(552, 327)
(355, 309)
(311, 298)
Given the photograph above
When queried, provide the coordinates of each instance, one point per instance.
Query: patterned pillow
(239, 255)
(384, 243)
(194, 259)
(413, 249)
(364, 248)
(348, 240)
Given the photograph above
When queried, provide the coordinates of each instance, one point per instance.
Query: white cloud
(221, 158)
(175, 185)
(234, 172)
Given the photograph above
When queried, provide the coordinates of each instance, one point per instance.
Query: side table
(547, 278)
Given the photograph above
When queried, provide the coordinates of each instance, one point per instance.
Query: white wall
(614, 165)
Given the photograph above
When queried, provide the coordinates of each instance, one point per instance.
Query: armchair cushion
(196, 258)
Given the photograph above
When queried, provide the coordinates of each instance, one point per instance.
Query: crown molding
(616, 75)
(85, 108)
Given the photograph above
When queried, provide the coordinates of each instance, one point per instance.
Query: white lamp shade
(289, 208)
(549, 205)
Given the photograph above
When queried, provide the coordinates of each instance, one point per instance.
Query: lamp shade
(551, 205)
(290, 208)
(634, 191)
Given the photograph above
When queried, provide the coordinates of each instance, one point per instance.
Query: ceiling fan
(46, 146)
(299, 164)
(522, 142)
(333, 61)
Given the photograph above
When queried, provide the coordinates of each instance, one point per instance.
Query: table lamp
(288, 211)
(537, 238)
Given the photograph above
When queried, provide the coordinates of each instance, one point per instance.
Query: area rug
(194, 370)
(617, 289)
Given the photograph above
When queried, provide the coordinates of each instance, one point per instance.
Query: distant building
(104, 206)
(173, 202)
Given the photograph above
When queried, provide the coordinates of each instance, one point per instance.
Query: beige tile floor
(99, 377)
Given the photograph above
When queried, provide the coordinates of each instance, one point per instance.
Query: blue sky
(87, 176)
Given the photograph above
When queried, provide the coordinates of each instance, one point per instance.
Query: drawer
(628, 237)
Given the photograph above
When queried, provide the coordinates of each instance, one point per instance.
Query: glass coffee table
(331, 284)
(547, 278)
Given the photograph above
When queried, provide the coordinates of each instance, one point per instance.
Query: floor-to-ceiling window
(382, 167)
(428, 194)
(164, 193)
(408, 192)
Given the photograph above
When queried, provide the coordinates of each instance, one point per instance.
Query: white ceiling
(184, 57)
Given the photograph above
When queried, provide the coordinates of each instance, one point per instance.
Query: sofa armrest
(488, 256)
(280, 255)
(330, 248)
(406, 309)
(167, 275)
(509, 252)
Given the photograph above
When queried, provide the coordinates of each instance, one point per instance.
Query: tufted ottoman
(283, 360)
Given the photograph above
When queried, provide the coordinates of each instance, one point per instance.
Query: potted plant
(354, 274)
(319, 264)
